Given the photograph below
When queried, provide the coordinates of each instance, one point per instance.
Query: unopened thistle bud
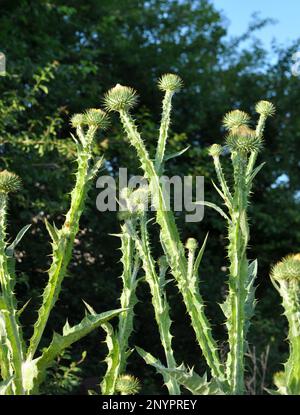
(191, 244)
(287, 270)
(120, 98)
(77, 120)
(244, 139)
(215, 150)
(128, 385)
(9, 182)
(265, 108)
(170, 82)
(96, 118)
(235, 119)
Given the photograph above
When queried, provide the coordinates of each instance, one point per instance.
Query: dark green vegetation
(61, 57)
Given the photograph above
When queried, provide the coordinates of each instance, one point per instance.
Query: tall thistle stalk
(244, 145)
(118, 340)
(137, 202)
(11, 347)
(121, 99)
(21, 371)
(286, 279)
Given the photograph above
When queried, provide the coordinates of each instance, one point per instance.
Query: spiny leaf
(196, 384)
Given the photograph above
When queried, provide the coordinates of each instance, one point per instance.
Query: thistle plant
(121, 99)
(135, 229)
(244, 145)
(21, 370)
(118, 340)
(285, 277)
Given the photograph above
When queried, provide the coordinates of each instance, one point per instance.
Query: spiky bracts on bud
(215, 150)
(243, 139)
(120, 98)
(286, 278)
(94, 117)
(265, 108)
(128, 385)
(9, 182)
(235, 119)
(170, 82)
(191, 244)
(77, 120)
(288, 269)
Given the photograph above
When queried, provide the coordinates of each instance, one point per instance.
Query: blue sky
(286, 12)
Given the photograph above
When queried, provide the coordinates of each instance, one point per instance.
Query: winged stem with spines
(21, 371)
(118, 340)
(121, 99)
(244, 145)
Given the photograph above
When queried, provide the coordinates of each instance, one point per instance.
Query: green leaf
(19, 312)
(197, 385)
(34, 371)
(53, 231)
(215, 207)
(177, 154)
(200, 255)
(11, 248)
(255, 172)
(112, 360)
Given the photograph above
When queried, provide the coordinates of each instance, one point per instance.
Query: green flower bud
(191, 244)
(288, 269)
(128, 385)
(9, 182)
(265, 108)
(120, 98)
(244, 140)
(96, 118)
(170, 82)
(77, 120)
(215, 150)
(235, 119)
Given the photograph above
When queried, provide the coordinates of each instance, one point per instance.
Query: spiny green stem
(62, 248)
(238, 236)
(175, 251)
(8, 307)
(163, 131)
(160, 304)
(128, 299)
(259, 133)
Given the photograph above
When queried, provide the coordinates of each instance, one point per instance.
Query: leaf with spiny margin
(250, 289)
(4, 385)
(215, 207)
(53, 231)
(11, 248)
(112, 360)
(197, 385)
(35, 370)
